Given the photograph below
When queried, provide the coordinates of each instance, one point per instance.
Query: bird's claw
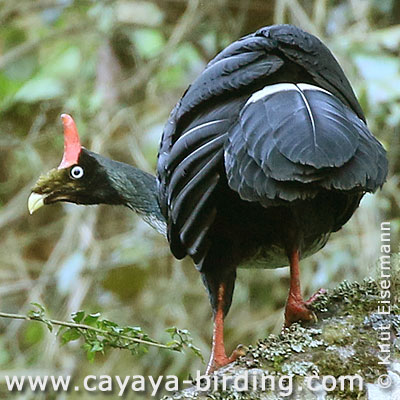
(299, 310)
(315, 296)
(216, 364)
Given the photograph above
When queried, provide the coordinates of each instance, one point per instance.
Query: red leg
(296, 307)
(218, 356)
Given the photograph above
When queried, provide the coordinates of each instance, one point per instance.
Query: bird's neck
(137, 190)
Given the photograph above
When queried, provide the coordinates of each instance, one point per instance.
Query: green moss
(273, 351)
(349, 298)
(337, 334)
(343, 341)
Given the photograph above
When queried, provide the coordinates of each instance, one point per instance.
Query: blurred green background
(118, 67)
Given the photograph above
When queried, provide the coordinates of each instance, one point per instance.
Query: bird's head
(80, 178)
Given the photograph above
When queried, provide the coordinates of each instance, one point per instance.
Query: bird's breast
(271, 256)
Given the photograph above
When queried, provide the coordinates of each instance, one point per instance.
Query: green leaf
(93, 348)
(182, 338)
(40, 307)
(39, 315)
(78, 316)
(99, 335)
(97, 346)
(69, 335)
(91, 319)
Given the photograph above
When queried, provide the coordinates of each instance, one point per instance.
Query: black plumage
(265, 154)
(304, 134)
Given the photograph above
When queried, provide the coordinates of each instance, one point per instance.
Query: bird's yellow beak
(35, 201)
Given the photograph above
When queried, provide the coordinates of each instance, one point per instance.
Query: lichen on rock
(345, 341)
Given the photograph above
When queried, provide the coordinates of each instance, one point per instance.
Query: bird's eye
(76, 172)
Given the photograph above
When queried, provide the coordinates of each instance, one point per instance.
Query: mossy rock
(344, 341)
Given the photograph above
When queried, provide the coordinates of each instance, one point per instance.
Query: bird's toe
(315, 296)
(221, 361)
(296, 312)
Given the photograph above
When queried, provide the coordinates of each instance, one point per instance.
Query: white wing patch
(270, 89)
(281, 87)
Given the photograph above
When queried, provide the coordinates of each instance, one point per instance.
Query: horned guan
(265, 155)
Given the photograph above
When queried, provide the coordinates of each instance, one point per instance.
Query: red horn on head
(72, 145)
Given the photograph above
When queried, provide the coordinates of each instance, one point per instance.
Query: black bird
(265, 155)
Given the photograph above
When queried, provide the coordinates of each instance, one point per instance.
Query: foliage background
(119, 67)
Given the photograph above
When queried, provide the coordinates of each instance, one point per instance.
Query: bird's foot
(315, 296)
(217, 362)
(299, 310)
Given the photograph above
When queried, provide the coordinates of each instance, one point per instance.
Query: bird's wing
(190, 160)
(188, 175)
(277, 53)
(292, 140)
(313, 56)
(191, 155)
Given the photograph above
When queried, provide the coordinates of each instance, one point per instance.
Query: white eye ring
(76, 172)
